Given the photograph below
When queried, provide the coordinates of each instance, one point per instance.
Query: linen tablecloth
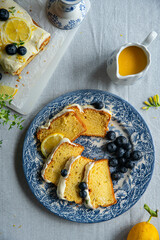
(108, 25)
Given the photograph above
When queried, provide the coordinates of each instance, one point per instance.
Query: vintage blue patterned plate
(128, 190)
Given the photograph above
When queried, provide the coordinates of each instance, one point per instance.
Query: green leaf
(151, 212)
(11, 8)
(21, 42)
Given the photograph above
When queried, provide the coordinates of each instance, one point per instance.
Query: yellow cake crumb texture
(96, 122)
(58, 160)
(70, 124)
(75, 177)
(67, 124)
(100, 185)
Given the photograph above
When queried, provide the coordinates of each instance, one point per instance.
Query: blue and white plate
(125, 121)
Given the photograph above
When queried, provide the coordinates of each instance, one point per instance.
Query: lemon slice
(17, 29)
(50, 142)
(8, 90)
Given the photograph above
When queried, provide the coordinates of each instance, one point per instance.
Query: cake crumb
(14, 225)
(44, 60)
(16, 85)
(121, 35)
(23, 85)
(27, 72)
(112, 125)
(20, 77)
(19, 226)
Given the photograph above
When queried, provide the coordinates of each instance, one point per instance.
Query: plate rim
(85, 91)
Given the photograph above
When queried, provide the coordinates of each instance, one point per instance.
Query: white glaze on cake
(48, 123)
(81, 108)
(12, 63)
(62, 181)
(87, 200)
(49, 159)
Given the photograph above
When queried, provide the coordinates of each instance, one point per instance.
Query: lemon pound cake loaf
(51, 171)
(96, 121)
(99, 188)
(21, 39)
(72, 175)
(66, 122)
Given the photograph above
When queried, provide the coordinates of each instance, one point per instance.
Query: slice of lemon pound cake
(68, 185)
(51, 171)
(96, 121)
(99, 188)
(66, 122)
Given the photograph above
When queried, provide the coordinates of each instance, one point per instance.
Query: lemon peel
(50, 142)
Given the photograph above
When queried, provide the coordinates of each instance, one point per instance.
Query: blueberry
(64, 172)
(98, 105)
(4, 14)
(127, 146)
(120, 141)
(120, 152)
(113, 162)
(127, 154)
(11, 49)
(111, 135)
(0, 76)
(83, 194)
(136, 155)
(111, 147)
(82, 185)
(116, 176)
(22, 50)
(129, 164)
(122, 161)
(123, 169)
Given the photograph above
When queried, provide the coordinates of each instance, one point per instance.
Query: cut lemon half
(17, 29)
(8, 90)
(50, 142)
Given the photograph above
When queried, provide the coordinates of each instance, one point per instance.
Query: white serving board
(37, 74)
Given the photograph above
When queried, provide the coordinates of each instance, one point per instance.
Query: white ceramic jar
(113, 67)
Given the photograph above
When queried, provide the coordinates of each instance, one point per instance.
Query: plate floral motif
(125, 121)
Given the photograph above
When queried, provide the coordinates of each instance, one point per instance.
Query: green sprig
(6, 117)
(152, 102)
(21, 43)
(12, 10)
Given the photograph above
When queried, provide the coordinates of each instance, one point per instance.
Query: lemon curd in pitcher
(132, 60)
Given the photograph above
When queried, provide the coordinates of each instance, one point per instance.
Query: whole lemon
(143, 231)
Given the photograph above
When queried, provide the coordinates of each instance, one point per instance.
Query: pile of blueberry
(11, 49)
(123, 155)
